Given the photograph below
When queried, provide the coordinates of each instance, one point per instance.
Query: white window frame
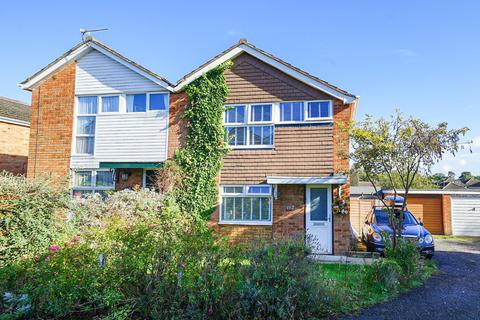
(75, 122)
(93, 186)
(291, 121)
(327, 119)
(144, 177)
(147, 94)
(248, 124)
(245, 194)
(100, 103)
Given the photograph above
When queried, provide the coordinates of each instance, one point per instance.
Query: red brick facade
(14, 147)
(51, 124)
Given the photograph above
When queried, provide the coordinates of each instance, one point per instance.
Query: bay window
(246, 204)
(86, 182)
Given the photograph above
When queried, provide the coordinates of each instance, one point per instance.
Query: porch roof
(306, 180)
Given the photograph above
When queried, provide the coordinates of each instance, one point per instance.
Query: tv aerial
(86, 33)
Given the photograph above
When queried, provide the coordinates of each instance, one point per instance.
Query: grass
(352, 290)
(459, 238)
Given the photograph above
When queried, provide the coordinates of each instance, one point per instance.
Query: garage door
(466, 215)
(429, 210)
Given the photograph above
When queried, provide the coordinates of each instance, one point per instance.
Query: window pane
(325, 109)
(136, 102)
(158, 101)
(236, 136)
(238, 208)
(84, 145)
(318, 204)
(256, 207)
(247, 208)
(297, 111)
(261, 112)
(265, 209)
(151, 179)
(86, 125)
(104, 179)
(87, 105)
(235, 114)
(83, 179)
(233, 190)
(110, 104)
(259, 189)
(228, 208)
(319, 109)
(267, 135)
(255, 135)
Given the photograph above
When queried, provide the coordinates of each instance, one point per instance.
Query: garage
(428, 209)
(466, 214)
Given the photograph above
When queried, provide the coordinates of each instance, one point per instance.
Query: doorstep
(323, 258)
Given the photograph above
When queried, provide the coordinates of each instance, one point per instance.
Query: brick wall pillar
(447, 214)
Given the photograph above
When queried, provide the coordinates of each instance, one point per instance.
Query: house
(14, 134)
(108, 123)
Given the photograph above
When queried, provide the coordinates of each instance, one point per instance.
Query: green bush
(407, 256)
(32, 216)
(384, 273)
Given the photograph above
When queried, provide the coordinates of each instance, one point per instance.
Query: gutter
(15, 121)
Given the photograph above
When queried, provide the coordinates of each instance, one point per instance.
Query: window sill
(246, 223)
(253, 147)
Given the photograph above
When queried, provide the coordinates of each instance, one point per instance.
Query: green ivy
(199, 161)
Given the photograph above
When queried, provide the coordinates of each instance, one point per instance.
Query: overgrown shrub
(407, 256)
(32, 216)
(385, 273)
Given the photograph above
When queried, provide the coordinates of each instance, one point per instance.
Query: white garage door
(466, 215)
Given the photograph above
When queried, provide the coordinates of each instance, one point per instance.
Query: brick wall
(51, 124)
(177, 130)
(14, 147)
(447, 214)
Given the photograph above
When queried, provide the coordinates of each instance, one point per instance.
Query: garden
(137, 255)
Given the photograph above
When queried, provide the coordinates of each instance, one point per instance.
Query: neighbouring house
(443, 212)
(14, 134)
(108, 122)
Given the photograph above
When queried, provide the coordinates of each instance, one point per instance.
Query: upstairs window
(246, 204)
(291, 111)
(235, 114)
(110, 103)
(86, 122)
(137, 102)
(261, 113)
(158, 101)
(319, 110)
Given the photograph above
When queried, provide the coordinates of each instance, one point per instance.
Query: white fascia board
(291, 72)
(45, 73)
(15, 121)
(130, 66)
(306, 180)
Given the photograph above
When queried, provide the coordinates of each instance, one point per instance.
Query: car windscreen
(381, 218)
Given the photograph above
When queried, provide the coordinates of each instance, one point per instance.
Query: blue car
(377, 224)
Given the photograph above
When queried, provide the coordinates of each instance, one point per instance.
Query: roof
(81, 49)
(362, 190)
(438, 191)
(14, 111)
(454, 185)
(244, 46)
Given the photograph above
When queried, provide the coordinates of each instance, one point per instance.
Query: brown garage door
(429, 209)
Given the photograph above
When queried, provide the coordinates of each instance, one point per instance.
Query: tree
(465, 176)
(400, 149)
(420, 182)
(438, 178)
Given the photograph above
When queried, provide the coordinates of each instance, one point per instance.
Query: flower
(75, 239)
(151, 226)
(53, 249)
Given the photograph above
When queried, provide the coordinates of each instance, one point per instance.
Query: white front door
(319, 218)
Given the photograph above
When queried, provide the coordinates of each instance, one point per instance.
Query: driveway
(453, 293)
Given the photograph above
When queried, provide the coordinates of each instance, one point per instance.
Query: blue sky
(420, 56)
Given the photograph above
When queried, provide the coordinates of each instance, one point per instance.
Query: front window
(158, 101)
(261, 113)
(246, 204)
(86, 121)
(86, 182)
(381, 217)
(137, 102)
(110, 104)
